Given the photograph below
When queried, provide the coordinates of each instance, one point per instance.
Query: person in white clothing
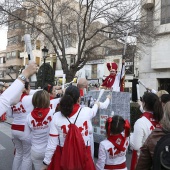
(82, 85)
(112, 151)
(20, 134)
(69, 107)
(114, 80)
(12, 95)
(39, 123)
(144, 125)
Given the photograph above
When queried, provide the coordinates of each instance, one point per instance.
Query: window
(38, 44)
(165, 11)
(8, 55)
(94, 71)
(13, 54)
(1, 60)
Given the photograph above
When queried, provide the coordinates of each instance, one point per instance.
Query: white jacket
(10, 96)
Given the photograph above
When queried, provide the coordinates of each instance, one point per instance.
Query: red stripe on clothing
(53, 135)
(119, 166)
(18, 127)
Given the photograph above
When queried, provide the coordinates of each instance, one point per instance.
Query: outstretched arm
(11, 95)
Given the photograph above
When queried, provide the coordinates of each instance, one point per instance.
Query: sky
(3, 38)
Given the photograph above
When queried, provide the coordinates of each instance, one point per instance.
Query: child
(112, 151)
(38, 122)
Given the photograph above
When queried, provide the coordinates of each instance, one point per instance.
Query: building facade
(154, 67)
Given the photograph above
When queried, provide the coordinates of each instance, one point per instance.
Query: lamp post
(44, 54)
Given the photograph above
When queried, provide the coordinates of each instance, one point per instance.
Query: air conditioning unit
(148, 4)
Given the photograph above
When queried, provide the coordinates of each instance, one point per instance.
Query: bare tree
(87, 25)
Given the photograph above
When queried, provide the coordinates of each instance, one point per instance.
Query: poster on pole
(120, 104)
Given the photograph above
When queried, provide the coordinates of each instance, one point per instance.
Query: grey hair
(165, 122)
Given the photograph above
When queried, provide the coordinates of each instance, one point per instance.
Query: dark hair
(165, 98)
(152, 103)
(70, 98)
(26, 85)
(48, 87)
(117, 125)
(41, 99)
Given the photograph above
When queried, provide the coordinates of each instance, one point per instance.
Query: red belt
(18, 127)
(119, 166)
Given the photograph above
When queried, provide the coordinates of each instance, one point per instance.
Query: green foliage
(135, 114)
(46, 76)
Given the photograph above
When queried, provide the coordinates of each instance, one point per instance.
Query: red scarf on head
(150, 117)
(40, 113)
(118, 141)
(75, 109)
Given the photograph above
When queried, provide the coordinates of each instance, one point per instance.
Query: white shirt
(39, 132)
(115, 86)
(10, 96)
(27, 103)
(54, 103)
(109, 155)
(59, 127)
(142, 129)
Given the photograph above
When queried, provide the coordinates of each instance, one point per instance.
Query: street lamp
(44, 54)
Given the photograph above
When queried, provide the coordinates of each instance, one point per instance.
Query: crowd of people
(41, 123)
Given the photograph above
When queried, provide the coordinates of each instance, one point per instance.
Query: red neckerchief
(150, 117)
(81, 92)
(75, 109)
(51, 98)
(23, 94)
(118, 141)
(39, 113)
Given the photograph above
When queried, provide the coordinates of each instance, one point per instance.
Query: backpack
(74, 150)
(161, 157)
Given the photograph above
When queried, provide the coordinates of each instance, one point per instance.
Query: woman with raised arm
(70, 108)
(12, 94)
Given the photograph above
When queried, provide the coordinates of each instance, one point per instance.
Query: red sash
(119, 166)
(150, 117)
(118, 141)
(18, 127)
(134, 160)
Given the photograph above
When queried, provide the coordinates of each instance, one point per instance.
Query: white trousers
(22, 158)
(92, 145)
(37, 159)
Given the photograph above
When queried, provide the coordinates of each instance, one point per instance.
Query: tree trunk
(70, 75)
